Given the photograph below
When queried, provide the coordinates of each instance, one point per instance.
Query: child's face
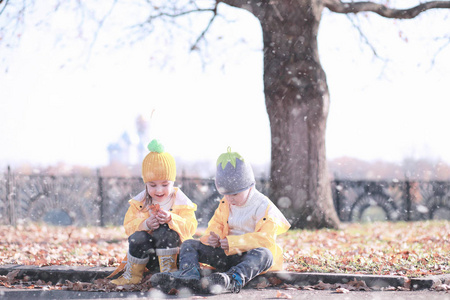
(159, 190)
(238, 199)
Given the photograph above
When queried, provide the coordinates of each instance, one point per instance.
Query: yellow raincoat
(266, 230)
(183, 220)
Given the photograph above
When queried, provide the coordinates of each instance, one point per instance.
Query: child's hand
(163, 217)
(224, 244)
(152, 222)
(213, 240)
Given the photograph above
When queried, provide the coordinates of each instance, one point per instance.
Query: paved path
(419, 287)
(248, 294)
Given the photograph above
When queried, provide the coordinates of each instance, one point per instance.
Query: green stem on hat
(155, 146)
(229, 157)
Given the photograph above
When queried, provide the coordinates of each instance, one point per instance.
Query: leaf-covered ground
(44, 245)
(413, 249)
(410, 249)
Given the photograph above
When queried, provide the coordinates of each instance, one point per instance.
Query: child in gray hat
(240, 241)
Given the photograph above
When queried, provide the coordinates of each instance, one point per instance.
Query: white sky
(53, 114)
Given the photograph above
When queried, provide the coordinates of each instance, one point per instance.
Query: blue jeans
(142, 244)
(248, 265)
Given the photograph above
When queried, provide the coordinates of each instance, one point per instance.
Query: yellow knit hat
(158, 165)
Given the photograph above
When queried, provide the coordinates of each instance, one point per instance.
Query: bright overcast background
(65, 99)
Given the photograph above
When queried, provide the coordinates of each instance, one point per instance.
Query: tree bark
(297, 102)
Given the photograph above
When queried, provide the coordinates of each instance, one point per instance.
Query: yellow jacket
(266, 230)
(183, 220)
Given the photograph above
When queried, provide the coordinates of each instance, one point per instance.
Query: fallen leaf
(262, 285)
(442, 287)
(342, 291)
(359, 285)
(283, 295)
(323, 286)
(274, 281)
(11, 276)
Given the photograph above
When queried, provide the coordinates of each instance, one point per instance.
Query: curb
(429, 282)
(58, 274)
(307, 279)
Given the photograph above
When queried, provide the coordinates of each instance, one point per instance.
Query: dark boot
(189, 278)
(218, 283)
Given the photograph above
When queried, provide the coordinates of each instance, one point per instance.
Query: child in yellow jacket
(240, 241)
(158, 220)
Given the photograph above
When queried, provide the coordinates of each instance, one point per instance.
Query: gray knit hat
(233, 174)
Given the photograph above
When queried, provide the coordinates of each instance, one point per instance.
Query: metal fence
(103, 201)
(357, 201)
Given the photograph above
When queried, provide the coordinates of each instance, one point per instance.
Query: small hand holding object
(163, 217)
(213, 240)
(152, 222)
(224, 244)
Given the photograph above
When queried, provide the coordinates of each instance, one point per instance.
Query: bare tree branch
(433, 60)
(100, 25)
(365, 40)
(364, 37)
(180, 14)
(3, 8)
(187, 12)
(338, 6)
(207, 27)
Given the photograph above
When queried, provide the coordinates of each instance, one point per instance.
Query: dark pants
(248, 265)
(143, 244)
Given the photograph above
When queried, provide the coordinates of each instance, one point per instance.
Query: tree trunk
(297, 102)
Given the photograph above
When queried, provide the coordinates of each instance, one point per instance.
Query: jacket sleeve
(216, 224)
(264, 236)
(184, 221)
(134, 220)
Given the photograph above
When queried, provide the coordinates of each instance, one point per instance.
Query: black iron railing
(102, 201)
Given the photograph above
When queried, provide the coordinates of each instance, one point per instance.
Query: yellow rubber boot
(167, 259)
(134, 271)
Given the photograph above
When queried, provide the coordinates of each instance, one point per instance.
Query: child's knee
(190, 244)
(139, 238)
(263, 253)
(164, 232)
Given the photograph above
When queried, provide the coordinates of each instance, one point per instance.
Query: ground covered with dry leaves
(413, 249)
(44, 245)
